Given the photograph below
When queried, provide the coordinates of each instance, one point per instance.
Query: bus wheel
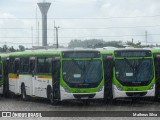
(52, 100)
(23, 93)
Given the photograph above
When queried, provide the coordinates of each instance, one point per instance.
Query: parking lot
(16, 104)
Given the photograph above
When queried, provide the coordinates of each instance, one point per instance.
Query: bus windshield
(82, 71)
(134, 70)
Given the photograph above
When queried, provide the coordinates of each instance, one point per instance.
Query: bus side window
(44, 65)
(16, 66)
(56, 67)
(49, 64)
(32, 67)
(11, 64)
(25, 65)
(40, 64)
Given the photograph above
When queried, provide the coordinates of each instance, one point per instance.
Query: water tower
(44, 6)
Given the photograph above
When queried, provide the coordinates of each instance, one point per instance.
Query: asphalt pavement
(122, 105)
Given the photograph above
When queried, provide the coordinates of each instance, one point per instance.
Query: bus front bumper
(123, 94)
(81, 96)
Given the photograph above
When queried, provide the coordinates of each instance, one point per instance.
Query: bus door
(47, 80)
(108, 76)
(56, 78)
(157, 71)
(43, 75)
(39, 76)
(15, 76)
(32, 74)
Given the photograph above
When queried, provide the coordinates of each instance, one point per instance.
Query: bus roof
(107, 51)
(45, 52)
(4, 54)
(132, 49)
(155, 50)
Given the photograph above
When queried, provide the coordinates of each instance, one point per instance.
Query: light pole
(57, 35)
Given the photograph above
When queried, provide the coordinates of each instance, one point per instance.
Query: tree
(84, 44)
(4, 48)
(11, 49)
(135, 45)
(117, 44)
(21, 48)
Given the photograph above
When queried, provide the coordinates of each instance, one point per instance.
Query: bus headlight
(152, 86)
(100, 89)
(119, 87)
(66, 89)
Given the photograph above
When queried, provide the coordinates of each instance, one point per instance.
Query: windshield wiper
(138, 66)
(85, 72)
(130, 65)
(77, 64)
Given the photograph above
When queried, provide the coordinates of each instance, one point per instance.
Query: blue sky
(20, 9)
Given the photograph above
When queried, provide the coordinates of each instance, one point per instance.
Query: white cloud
(82, 9)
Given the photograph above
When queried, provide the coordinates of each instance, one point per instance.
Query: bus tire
(52, 100)
(23, 93)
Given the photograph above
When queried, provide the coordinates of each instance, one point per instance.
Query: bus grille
(79, 96)
(136, 94)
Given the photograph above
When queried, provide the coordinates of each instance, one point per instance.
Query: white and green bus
(131, 73)
(156, 55)
(57, 74)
